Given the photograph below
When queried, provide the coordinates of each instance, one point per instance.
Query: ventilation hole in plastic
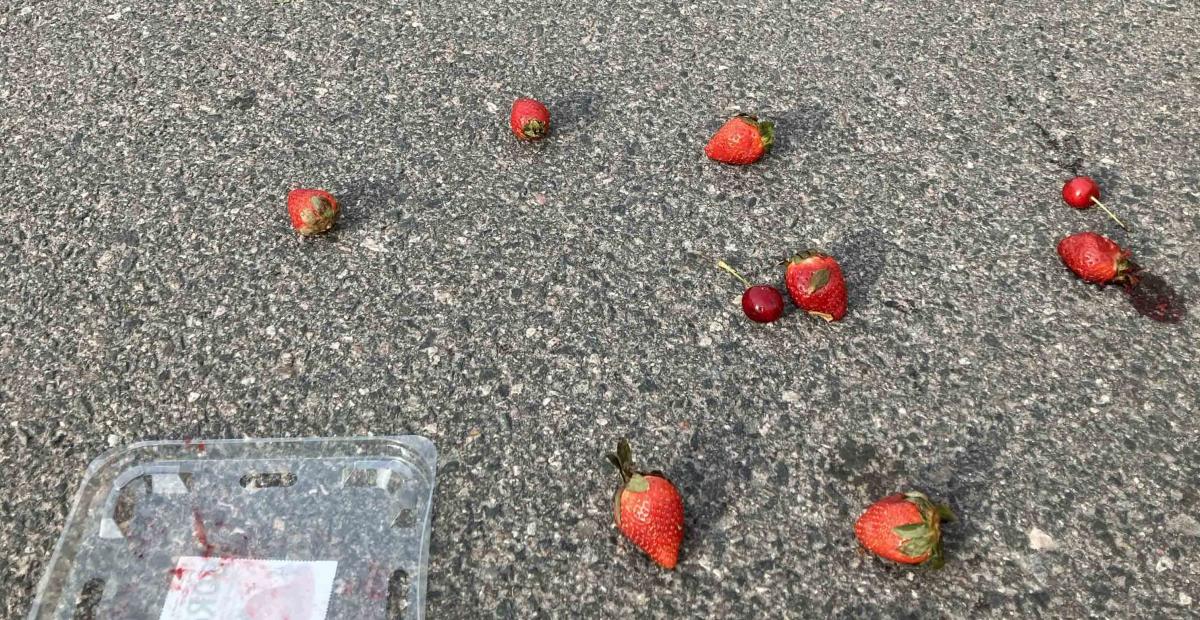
(171, 484)
(397, 598)
(365, 478)
(359, 478)
(87, 606)
(127, 501)
(254, 482)
(405, 518)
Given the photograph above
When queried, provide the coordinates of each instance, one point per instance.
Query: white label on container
(236, 589)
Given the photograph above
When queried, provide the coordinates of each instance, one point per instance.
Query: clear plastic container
(247, 529)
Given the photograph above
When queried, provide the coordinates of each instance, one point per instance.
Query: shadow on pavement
(1154, 299)
(863, 255)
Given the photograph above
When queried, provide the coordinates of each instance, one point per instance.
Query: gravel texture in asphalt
(526, 305)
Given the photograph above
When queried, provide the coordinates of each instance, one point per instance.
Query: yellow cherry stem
(1110, 213)
(733, 272)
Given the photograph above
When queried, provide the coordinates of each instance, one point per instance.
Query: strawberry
(743, 139)
(647, 509)
(814, 280)
(530, 120)
(313, 211)
(1096, 258)
(905, 528)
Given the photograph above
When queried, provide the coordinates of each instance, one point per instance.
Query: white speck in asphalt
(1184, 524)
(491, 107)
(1039, 540)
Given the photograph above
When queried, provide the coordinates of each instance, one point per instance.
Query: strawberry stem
(734, 272)
(623, 460)
(1110, 213)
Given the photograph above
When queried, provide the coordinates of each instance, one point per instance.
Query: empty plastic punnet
(250, 528)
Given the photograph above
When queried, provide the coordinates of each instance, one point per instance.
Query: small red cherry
(763, 303)
(1080, 191)
(1083, 192)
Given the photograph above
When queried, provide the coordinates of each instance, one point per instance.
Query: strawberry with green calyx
(742, 140)
(647, 509)
(905, 528)
(815, 283)
(1097, 259)
(313, 211)
(530, 120)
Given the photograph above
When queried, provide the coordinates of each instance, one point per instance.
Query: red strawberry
(1096, 258)
(815, 283)
(313, 211)
(743, 139)
(530, 119)
(905, 528)
(648, 509)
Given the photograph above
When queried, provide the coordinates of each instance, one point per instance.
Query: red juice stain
(199, 532)
(177, 577)
(1156, 300)
(375, 586)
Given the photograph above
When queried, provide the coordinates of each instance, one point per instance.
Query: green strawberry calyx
(1126, 270)
(925, 537)
(533, 128)
(632, 480)
(818, 280)
(800, 258)
(320, 217)
(323, 206)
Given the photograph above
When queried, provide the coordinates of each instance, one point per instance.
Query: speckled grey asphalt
(524, 306)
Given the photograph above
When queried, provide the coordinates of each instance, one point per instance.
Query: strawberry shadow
(708, 478)
(1152, 297)
(863, 256)
(383, 202)
(796, 127)
(574, 112)
(966, 481)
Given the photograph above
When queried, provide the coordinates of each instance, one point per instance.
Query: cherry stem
(1110, 213)
(734, 272)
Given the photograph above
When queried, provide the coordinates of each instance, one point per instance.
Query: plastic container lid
(251, 529)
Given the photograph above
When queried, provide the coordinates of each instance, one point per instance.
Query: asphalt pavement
(525, 305)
